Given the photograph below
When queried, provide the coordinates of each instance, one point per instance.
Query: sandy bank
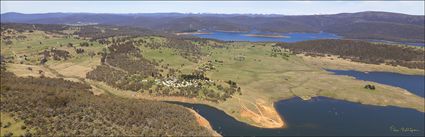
(204, 123)
(263, 115)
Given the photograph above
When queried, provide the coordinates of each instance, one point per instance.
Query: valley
(242, 79)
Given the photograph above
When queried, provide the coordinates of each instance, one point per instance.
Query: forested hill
(362, 25)
(58, 107)
(361, 51)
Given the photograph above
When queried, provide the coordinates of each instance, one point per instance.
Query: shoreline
(135, 95)
(238, 118)
(203, 122)
(251, 122)
(267, 117)
(333, 62)
(274, 115)
(196, 101)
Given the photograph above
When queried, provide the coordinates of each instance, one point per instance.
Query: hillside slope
(362, 25)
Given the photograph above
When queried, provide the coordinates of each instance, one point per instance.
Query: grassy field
(263, 77)
(170, 57)
(11, 126)
(333, 62)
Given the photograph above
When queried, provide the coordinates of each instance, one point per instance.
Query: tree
(70, 45)
(91, 54)
(84, 44)
(79, 50)
(43, 61)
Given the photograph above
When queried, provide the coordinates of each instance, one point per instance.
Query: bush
(58, 107)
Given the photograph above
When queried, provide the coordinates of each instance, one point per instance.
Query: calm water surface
(291, 37)
(326, 116)
(322, 116)
(412, 83)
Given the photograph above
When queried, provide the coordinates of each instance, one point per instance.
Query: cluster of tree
(125, 68)
(57, 107)
(206, 67)
(7, 42)
(123, 48)
(278, 52)
(205, 90)
(7, 31)
(21, 37)
(104, 41)
(96, 32)
(189, 77)
(368, 86)
(187, 49)
(2, 60)
(231, 83)
(55, 54)
(85, 44)
(364, 25)
(8, 39)
(361, 51)
(210, 91)
(107, 74)
(127, 57)
(151, 44)
(52, 28)
(79, 50)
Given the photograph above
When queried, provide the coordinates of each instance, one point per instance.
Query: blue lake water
(291, 37)
(326, 116)
(412, 83)
(322, 116)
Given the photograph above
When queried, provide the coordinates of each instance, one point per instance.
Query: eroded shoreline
(257, 118)
(204, 122)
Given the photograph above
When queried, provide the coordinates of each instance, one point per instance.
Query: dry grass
(333, 62)
(22, 70)
(262, 78)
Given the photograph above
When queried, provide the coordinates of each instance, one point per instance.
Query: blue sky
(227, 7)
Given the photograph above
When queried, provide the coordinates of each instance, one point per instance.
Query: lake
(290, 37)
(326, 116)
(412, 83)
(321, 116)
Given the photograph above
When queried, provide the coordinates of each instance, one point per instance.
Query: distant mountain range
(362, 25)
